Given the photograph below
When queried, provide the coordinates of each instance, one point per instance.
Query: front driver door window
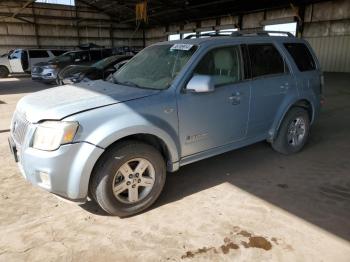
(210, 120)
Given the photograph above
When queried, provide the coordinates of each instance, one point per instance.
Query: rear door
(307, 74)
(271, 82)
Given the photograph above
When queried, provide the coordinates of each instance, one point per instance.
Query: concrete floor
(251, 204)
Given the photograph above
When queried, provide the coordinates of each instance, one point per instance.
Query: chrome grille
(37, 69)
(19, 128)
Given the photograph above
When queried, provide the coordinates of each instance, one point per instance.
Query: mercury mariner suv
(172, 104)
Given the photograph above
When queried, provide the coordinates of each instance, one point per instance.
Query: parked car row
(23, 60)
(48, 71)
(44, 65)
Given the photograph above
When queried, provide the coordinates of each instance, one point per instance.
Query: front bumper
(47, 74)
(65, 171)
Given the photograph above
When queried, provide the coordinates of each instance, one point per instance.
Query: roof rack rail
(241, 33)
(206, 34)
(259, 33)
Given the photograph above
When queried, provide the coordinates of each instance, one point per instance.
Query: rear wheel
(128, 178)
(4, 72)
(293, 132)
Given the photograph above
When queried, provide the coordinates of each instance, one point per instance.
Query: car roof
(214, 40)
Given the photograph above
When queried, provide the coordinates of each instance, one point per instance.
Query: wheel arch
(150, 139)
(146, 138)
(302, 103)
(159, 139)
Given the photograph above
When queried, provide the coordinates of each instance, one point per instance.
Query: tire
(4, 72)
(111, 170)
(289, 141)
(59, 81)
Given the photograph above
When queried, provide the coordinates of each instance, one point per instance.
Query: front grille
(19, 128)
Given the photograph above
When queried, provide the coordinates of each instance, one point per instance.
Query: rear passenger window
(223, 64)
(38, 54)
(265, 60)
(301, 55)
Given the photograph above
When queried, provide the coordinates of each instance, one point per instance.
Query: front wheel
(293, 132)
(128, 178)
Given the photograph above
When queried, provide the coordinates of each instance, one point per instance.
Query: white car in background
(23, 60)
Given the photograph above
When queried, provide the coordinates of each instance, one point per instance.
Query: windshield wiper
(127, 83)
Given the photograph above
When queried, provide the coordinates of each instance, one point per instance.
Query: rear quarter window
(301, 56)
(38, 54)
(265, 60)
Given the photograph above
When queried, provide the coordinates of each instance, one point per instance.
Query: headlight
(51, 66)
(50, 135)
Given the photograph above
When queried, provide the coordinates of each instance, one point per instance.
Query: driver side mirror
(201, 84)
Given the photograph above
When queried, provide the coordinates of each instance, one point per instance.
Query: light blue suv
(172, 104)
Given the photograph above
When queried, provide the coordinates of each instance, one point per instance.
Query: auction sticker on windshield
(184, 47)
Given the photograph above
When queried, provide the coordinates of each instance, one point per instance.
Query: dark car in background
(47, 71)
(100, 70)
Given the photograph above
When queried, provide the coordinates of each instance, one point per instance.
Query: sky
(288, 27)
(63, 2)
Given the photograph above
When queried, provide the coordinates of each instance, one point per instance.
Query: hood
(59, 102)
(41, 64)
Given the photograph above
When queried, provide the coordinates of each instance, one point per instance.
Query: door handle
(284, 86)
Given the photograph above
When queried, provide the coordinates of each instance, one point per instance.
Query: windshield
(155, 67)
(105, 62)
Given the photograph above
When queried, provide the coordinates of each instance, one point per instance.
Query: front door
(214, 119)
(15, 59)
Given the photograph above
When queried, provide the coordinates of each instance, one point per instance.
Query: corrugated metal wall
(333, 52)
(60, 26)
(326, 27)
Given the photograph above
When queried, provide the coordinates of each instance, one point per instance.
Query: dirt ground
(251, 204)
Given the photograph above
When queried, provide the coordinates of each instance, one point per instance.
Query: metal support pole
(111, 35)
(144, 36)
(77, 23)
(300, 23)
(37, 37)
